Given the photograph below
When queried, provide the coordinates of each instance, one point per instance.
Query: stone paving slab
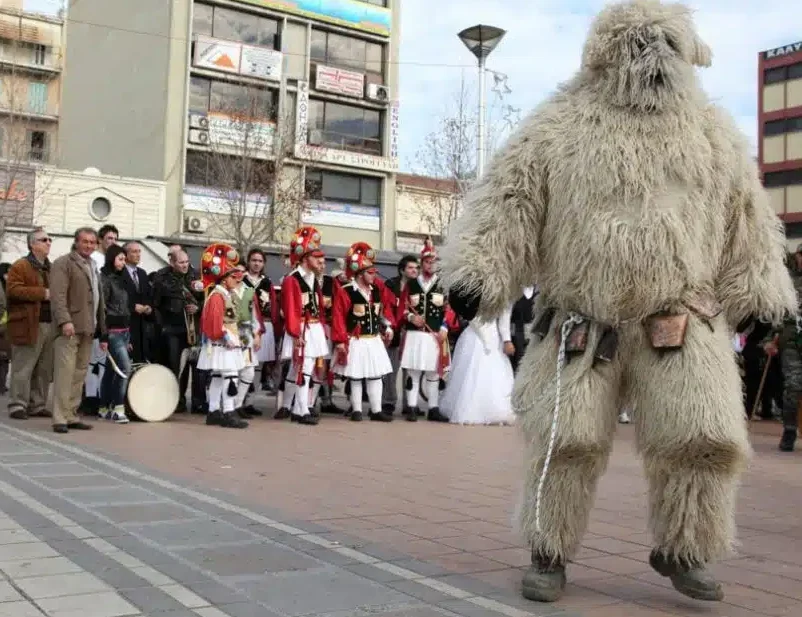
(141, 545)
(441, 496)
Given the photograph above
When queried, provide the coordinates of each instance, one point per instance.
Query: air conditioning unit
(194, 225)
(196, 136)
(378, 93)
(199, 121)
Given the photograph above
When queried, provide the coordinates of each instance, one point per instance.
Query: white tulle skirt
(317, 345)
(267, 352)
(479, 390)
(221, 359)
(421, 351)
(367, 359)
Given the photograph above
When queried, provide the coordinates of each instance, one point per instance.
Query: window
(38, 143)
(229, 173)
(100, 208)
(778, 127)
(347, 52)
(775, 179)
(39, 54)
(247, 28)
(239, 99)
(773, 76)
(345, 127)
(795, 71)
(376, 2)
(202, 19)
(331, 186)
(37, 97)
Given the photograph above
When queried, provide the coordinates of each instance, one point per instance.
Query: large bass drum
(152, 393)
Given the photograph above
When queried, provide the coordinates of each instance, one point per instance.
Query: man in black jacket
(176, 300)
(140, 301)
(407, 270)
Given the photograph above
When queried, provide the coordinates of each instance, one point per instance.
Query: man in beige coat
(79, 313)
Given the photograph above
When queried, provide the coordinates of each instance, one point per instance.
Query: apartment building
(257, 103)
(30, 82)
(780, 132)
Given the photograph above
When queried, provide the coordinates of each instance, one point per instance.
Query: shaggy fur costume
(623, 193)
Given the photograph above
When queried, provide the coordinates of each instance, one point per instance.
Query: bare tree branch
(448, 153)
(259, 196)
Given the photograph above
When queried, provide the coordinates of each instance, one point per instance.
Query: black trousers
(754, 365)
(175, 342)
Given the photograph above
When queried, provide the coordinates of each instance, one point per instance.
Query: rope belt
(572, 320)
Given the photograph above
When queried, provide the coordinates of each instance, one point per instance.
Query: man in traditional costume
(222, 349)
(305, 339)
(250, 324)
(265, 294)
(634, 202)
(362, 324)
(425, 353)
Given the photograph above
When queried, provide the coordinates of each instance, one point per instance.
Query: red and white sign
(338, 81)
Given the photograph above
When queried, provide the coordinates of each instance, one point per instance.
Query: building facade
(31, 47)
(281, 108)
(780, 132)
(425, 207)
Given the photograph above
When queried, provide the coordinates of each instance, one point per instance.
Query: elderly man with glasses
(30, 329)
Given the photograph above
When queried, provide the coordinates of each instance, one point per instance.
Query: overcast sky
(543, 47)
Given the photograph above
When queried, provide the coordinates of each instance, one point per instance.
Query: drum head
(152, 393)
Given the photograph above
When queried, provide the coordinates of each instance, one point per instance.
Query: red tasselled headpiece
(360, 257)
(306, 241)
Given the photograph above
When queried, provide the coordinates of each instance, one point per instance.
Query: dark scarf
(45, 315)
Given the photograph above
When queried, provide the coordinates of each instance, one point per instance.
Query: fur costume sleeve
(752, 279)
(492, 249)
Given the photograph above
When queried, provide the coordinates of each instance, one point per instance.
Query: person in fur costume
(635, 204)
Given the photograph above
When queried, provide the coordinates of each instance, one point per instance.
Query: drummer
(221, 347)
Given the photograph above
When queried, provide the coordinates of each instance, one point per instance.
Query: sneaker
(116, 415)
(623, 417)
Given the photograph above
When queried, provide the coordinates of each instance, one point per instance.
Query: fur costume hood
(626, 191)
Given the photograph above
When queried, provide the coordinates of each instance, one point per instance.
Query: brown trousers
(32, 372)
(71, 360)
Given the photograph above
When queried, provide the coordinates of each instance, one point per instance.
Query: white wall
(63, 202)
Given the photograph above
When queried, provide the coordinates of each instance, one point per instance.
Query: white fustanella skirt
(316, 343)
(421, 351)
(367, 359)
(267, 352)
(221, 359)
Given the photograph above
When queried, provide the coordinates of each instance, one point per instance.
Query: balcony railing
(342, 141)
(39, 155)
(39, 112)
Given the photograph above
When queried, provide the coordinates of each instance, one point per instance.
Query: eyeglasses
(46, 240)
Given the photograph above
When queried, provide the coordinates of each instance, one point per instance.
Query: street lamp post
(480, 41)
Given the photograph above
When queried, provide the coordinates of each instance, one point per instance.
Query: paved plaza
(343, 520)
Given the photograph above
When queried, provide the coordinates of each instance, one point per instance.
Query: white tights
(374, 395)
(432, 388)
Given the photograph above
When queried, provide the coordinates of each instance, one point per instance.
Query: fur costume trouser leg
(692, 436)
(690, 432)
(246, 376)
(588, 415)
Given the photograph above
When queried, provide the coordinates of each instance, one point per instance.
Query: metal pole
(480, 148)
